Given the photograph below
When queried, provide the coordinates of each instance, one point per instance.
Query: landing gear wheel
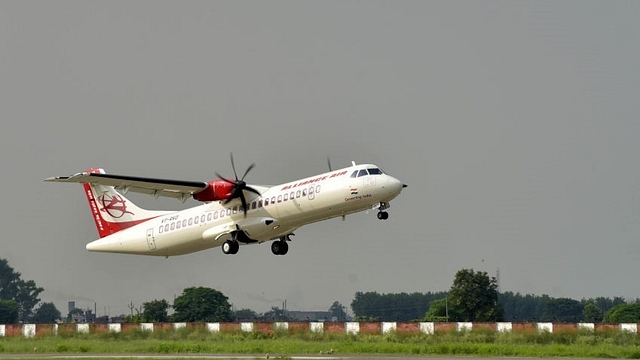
(279, 247)
(284, 248)
(383, 215)
(230, 247)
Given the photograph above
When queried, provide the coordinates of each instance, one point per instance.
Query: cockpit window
(375, 171)
(363, 172)
(355, 174)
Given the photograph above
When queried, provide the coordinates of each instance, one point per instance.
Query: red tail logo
(114, 205)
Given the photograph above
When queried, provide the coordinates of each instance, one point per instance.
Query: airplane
(233, 213)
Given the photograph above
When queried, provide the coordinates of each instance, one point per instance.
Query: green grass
(282, 343)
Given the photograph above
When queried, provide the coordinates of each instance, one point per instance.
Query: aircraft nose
(394, 185)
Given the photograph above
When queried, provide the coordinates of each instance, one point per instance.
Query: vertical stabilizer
(111, 211)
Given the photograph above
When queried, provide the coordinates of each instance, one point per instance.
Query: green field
(479, 342)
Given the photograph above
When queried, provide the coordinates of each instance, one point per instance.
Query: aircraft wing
(178, 189)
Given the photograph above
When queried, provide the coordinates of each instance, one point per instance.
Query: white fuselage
(276, 213)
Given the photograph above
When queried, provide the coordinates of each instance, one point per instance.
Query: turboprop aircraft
(233, 212)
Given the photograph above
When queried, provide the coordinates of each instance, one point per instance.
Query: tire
(235, 247)
(227, 247)
(275, 247)
(284, 248)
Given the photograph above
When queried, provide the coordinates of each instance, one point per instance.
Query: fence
(30, 330)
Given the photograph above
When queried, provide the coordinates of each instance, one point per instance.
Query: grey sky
(514, 123)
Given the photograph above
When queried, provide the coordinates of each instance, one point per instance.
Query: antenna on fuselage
(353, 163)
(329, 163)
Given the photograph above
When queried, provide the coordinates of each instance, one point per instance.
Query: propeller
(239, 186)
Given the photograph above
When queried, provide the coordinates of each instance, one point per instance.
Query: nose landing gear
(382, 214)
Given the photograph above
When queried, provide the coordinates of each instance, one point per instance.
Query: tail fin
(111, 211)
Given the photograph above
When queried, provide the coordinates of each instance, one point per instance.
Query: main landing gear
(280, 247)
(230, 247)
(382, 214)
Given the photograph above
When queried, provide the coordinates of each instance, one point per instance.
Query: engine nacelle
(215, 191)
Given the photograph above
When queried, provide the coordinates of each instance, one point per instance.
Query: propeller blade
(248, 169)
(244, 203)
(249, 188)
(234, 194)
(224, 179)
(239, 186)
(233, 166)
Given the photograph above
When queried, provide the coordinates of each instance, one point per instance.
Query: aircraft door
(151, 240)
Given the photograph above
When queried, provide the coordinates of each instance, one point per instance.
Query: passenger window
(235, 209)
(221, 213)
(166, 227)
(273, 199)
(195, 221)
(279, 198)
(215, 215)
(311, 190)
(209, 217)
(286, 197)
(304, 192)
(259, 203)
(160, 229)
(298, 193)
(184, 222)
(228, 212)
(178, 224)
(291, 195)
(363, 172)
(317, 189)
(191, 221)
(266, 202)
(173, 225)
(253, 205)
(202, 218)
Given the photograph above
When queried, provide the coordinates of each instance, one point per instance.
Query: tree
(394, 306)
(27, 298)
(8, 312)
(155, 311)
(202, 304)
(592, 313)
(475, 296)
(563, 310)
(9, 280)
(245, 315)
(337, 311)
(441, 310)
(24, 293)
(47, 313)
(74, 312)
(624, 313)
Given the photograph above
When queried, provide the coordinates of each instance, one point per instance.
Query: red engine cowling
(216, 191)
